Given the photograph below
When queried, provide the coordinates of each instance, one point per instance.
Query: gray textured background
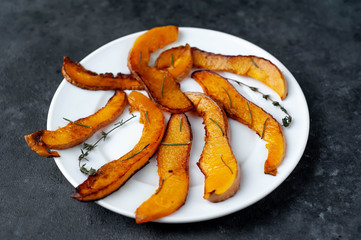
(318, 41)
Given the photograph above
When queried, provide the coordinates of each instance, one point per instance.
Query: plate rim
(227, 211)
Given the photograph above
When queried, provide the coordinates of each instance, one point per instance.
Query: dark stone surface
(318, 41)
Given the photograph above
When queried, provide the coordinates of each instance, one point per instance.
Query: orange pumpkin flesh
(159, 84)
(172, 170)
(252, 66)
(182, 63)
(217, 162)
(73, 134)
(236, 107)
(113, 175)
(77, 75)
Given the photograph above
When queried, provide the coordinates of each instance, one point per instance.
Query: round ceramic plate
(73, 103)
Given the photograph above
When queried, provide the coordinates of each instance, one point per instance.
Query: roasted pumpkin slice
(181, 64)
(172, 158)
(77, 75)
(160, 84)
(114, 174)
(248, 113)
(78, 131)
(217, 162)
(252, 66)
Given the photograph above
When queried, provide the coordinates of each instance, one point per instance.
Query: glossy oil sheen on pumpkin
(73, 134)
(252, 66)
(182, 63)
(160, 84)
(219, 89)
(172, 170)
(113, 175)
(217, 162)
(77, 75)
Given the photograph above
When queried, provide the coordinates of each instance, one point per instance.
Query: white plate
(73, 103)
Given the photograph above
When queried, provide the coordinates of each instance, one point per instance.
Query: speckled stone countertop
(318, 41)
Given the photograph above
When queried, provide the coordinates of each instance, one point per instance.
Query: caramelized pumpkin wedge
(172, 158)
(248, 113)
(159, 84)
(77, 75)
(217, 162)
(114, 174)
(181, 64)
(78, 131)
(252, 66)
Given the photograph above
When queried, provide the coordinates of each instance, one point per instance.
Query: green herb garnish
(229, 98)
(88, 147)
(264, 126)
(217, 125)
(135, 153)
(160, 186)
(79, 124)
(173, 144)
(89, 172)
(286, 120)
(254, 63)
(146, 116)
(226, 164)
(250, 114)
(162, 87)
(172, 60)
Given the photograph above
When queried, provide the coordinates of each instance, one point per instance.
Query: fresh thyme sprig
(89, 172)
(286, 121)
(79, 124)
(88, 147)
(172, 60)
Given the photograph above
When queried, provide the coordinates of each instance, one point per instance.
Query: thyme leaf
(173, 144)
(89, 147)
(79, 124)
(89, 172)
(162, 87)
(135, 153)
(264, 126)
(172, 60)
(254, 63)
(250, 114)
(104, 134)
(286, 121)
(229, 98)
(217, 125)
(146, 116)
(226, 164)
(160, 186)
(254, 89)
